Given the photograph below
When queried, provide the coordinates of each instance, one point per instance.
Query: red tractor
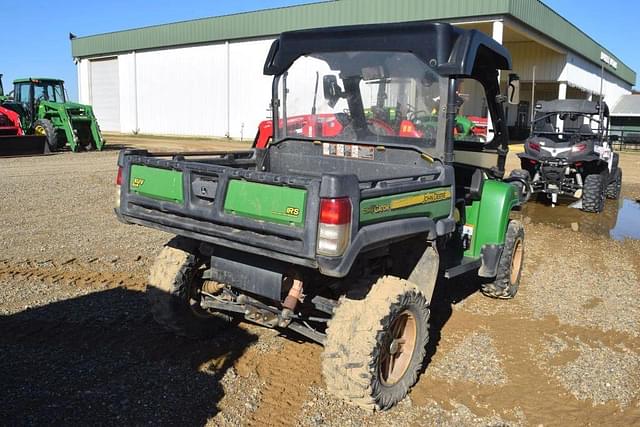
(330, 126)
(13, 141)
(9, 120)
(401, 121)
(9, 123)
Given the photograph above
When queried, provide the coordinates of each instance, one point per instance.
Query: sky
(42, 47)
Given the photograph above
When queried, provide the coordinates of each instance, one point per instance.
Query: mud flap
(490, 257)
(425, 273)
(22, 145)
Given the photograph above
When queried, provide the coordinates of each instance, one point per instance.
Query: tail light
(334, 226)
(534, 146)
(533, 162)
(578, 148)
(118, 184)
(119, 176)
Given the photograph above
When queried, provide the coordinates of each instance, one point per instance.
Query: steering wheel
(413, 113)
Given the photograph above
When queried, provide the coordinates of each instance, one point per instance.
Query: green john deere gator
(338, 228)
(44, 111)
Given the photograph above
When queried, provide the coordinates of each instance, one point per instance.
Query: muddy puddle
(620, 219)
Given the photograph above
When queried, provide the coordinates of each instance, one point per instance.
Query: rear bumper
(552, 175)
(216, 235)
(367, 238)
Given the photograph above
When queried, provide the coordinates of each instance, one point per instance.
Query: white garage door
(105, 93)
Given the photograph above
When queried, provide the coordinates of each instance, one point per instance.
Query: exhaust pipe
(294, 296)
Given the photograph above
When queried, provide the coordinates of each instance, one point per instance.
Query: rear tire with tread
(172, 292)
(615, 187)
(360, 338)
(593, 193)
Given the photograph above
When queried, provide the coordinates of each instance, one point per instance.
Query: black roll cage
(454, 53)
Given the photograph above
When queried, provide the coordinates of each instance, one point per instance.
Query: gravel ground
(325, 410)
(612, 372)
(79, 347)
(467, 363)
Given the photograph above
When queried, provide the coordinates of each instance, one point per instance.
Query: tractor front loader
(44, 111)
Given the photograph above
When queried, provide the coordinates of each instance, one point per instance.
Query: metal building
(625, 119)
(213, 67)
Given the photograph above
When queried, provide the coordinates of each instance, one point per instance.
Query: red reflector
(533, 162)
(335, 211)
(534, 146)
(119, 176)
(579, 164)
(579, 147)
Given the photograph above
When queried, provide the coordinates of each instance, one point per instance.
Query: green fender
(488, 218)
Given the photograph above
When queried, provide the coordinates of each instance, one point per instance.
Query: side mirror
(332, 90)
(513, 91)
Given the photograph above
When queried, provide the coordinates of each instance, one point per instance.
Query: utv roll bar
(451, 51)
(577, 106)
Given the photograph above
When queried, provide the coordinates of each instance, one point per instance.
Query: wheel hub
(516, 261)
(394, 347)
(396, 357)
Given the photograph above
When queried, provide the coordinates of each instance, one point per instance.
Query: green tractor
(44, 111)
(3, 97)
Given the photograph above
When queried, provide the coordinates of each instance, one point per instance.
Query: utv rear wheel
(376, 346)
(593, 193)
(173, 291)
(44, 127)
(615, 186)
(510, 265)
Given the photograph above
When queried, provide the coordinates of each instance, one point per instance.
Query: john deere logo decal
(405, 202)
(137, 182)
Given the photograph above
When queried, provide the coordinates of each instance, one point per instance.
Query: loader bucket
(22, 145)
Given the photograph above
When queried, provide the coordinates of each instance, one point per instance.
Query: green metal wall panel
(270, 22)
(274, 21)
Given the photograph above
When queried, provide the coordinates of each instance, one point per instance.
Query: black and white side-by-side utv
(573, 159)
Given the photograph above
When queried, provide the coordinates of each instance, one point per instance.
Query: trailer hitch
(262, 314)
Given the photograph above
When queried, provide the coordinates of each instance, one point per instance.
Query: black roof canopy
(448, 49)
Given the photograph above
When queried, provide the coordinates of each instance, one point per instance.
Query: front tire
(510, 265)
(593, 193)
(376, 346)
(44, 127)
(173, 292)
